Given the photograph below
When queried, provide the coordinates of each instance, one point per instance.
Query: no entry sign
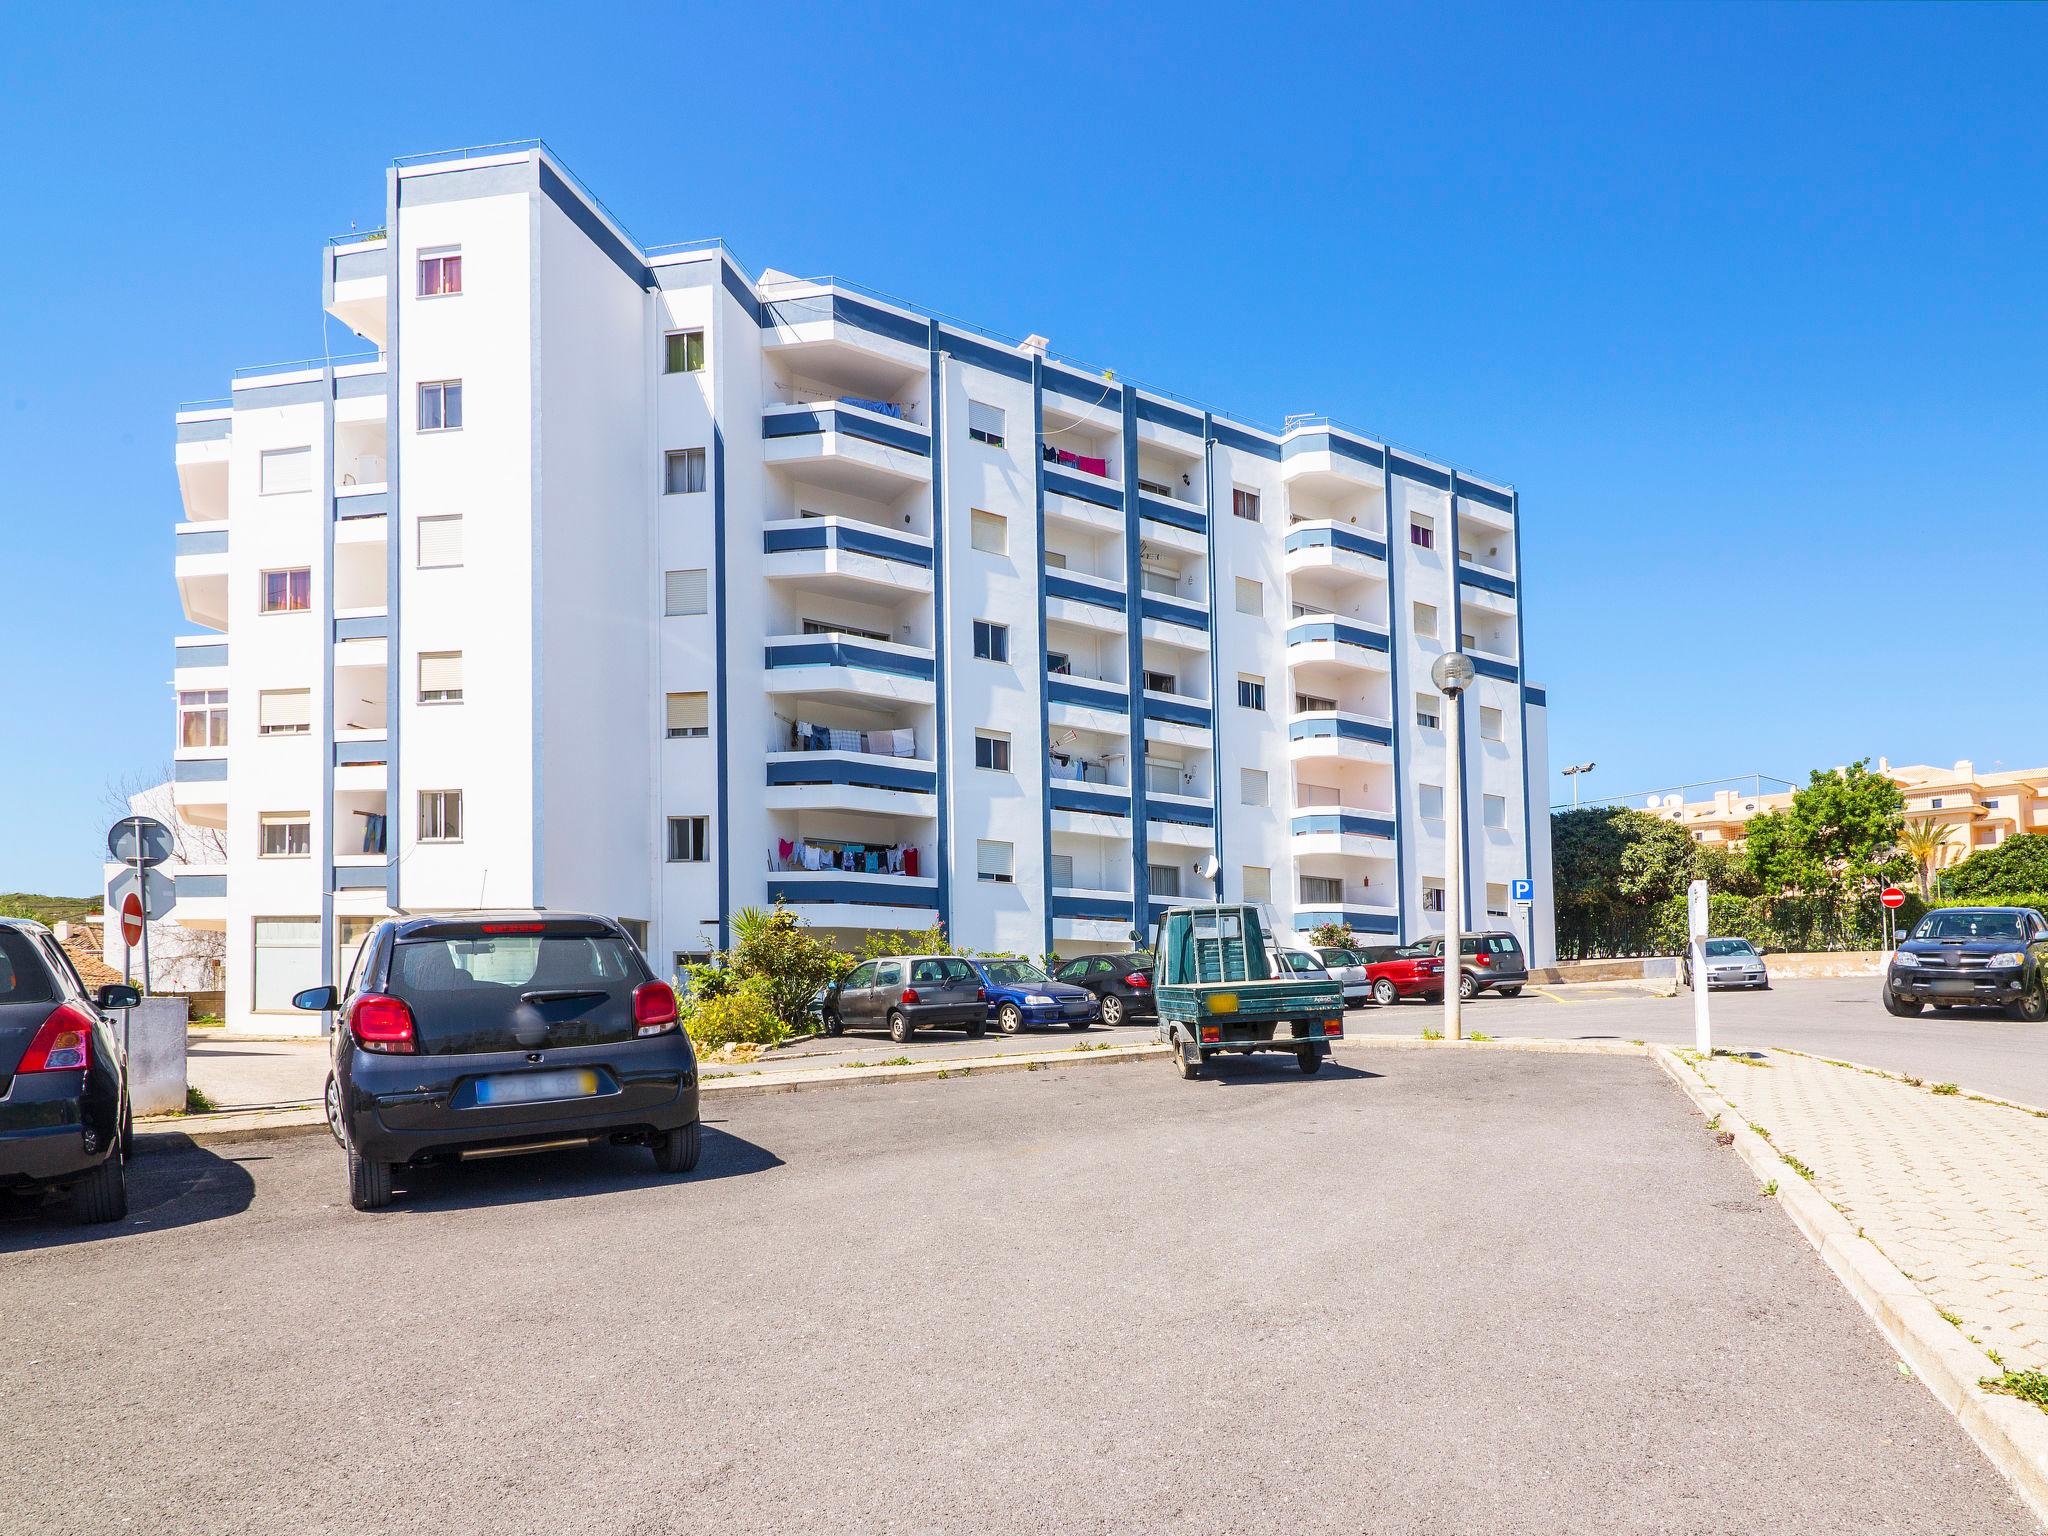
(1892, 896)
(131, 919)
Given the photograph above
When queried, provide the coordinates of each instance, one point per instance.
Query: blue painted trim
(844, 309)
(212, 430)
(1046, 587)
(1339, 631)
(778, 539)
(980, 354)
(1180, 815)
(595, 230)
(1088, 693)
(854, 423)
(1239, 440)
(1171, 610)
(1306, 822)
(200, 770)
(1141, 874)
(199, 655)
(1336, 538)
(935, 391)
(1357, 919)
(349, 266)
(821, 652)
(1485, 580)
(832, 768)
(1531, 694)
(854, 892)
(1422, 474)
(364, 627)
(1159, 413)
(263, 397)
(1100, 908)
(1102, 799)
(1216, 645)
(208, 541)
(1504, 502)
(1403, 711)
(1346, 730)
(451, 186)
(199, 887)
(369, 504)
(352, 877)
(350, 753)
(1056, 585)
(721, 721)
(1500, 671)
(359, 386)
(1065, 483)
(738, 289)
(1086, 388)
(1177, 714)
(1172, 513)
(1523, 693)
(1334, 443)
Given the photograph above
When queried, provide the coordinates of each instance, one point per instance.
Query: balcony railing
(848, 536)
(842, 650)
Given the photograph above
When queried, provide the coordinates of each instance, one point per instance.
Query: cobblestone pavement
(1952, 1188)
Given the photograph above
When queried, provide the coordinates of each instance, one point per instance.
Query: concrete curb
(1899, 1077)
(2012, 1434)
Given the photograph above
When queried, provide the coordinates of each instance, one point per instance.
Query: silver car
(1730, 963)
(1349, 970)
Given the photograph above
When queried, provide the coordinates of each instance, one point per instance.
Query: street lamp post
(1573, 773)
(1452, 673)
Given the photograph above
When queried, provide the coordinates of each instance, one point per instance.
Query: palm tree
(1921, 841)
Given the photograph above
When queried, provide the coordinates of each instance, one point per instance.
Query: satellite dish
(1211, 868)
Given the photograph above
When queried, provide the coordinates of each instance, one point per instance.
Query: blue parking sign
(1525, 892)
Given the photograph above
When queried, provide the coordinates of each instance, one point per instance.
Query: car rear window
(501, 991)
(23, 977)
(935, 972)
(1503, 944)
(1336, 956)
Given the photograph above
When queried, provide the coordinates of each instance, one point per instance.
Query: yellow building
(1973, 810)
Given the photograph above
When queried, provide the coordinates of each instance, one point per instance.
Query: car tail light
(1138, 979)
(654, 1008)
(512, 928)
(382, 1024)
(1212, 1032)
(63, 1044)
(1482, 959)
(909, 996)
(981, 994)
(1333, 1028)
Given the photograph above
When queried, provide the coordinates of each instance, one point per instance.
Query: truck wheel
(1385, 993)
(1011, 1018)
(900, 1028)
(102, 1195)
(1311, 1061)
(2031, 1008)
(1112, 1010)
(1900, 1007)
(1188, 1070)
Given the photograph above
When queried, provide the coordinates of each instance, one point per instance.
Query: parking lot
(1420, 1292)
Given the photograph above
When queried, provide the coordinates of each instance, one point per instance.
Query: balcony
(1093, 602)
(850, 667)
(824, 328)
(1089, 798)
(1338, 548)
(1339, 736)
(199, 661)
(1343, 830)
(202, 573)
(852, 781)
(1328, 463)
(199, 786)
(1174, 621)
(355, 283)
(1082, 503)
(202, 459)
(1088, 703)
(834, 898)
(1358, 917)
(1181, 820)
(826, 554)
(202, 897)
(1485, 587)
(1485, 507)
(1325, 638)
(847, 448)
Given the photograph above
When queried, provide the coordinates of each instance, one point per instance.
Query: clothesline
(1076, 460)
(807, 736)
(854, 858)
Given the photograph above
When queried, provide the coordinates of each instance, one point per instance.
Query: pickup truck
(1219, 990)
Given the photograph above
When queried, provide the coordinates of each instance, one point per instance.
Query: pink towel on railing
(1093, 466)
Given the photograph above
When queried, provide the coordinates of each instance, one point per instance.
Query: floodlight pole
(1452, 673)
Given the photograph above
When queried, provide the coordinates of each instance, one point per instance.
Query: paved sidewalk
(1952, 1189)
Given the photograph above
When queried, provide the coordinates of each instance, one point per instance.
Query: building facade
(616, 579)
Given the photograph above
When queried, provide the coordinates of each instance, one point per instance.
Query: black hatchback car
(1972, 957)
(65, 1126)
(1123, 982)
(496, 1032)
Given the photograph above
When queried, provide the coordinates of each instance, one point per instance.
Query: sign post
(140, 893)
(1523, 895)
(1696, 928)
(1893, 899)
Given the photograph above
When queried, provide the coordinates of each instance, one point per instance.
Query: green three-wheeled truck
(1219, 990)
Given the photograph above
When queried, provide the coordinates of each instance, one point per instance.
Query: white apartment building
(616, 579)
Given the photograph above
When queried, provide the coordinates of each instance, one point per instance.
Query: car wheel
(1510, 991)
(1081, 1023)
(1310, 1061)
(102, 1195)
(978, 1028)
(1385, 993)
(1010, 1017)
(369, 1182)
(1467, 988)
(832, 1023)
(900, 1028)
(676, 1151)
(1112, 1010)
(1432, 997)
(2031, 1008)
(1898, 1007)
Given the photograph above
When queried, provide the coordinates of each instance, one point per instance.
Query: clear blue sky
(1748, 302)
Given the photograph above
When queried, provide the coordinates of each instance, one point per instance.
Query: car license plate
(532, 1087)
(1953, 989)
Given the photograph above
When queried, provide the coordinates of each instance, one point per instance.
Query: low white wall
(156, 1056)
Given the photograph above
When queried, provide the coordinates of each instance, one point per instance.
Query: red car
(1407, 970)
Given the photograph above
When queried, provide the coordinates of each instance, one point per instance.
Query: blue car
(1019, 993)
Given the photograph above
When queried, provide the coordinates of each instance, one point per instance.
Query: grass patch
(207, 1021)
(1432, 1034)
(197, 1102)
(1949, 1317)
(1476, 1035)
(1760, 1130)
(1714, 1124)
(1771, 1189)
(2029, 1386)
(1945, 1089)
(1797, 1166)
(1912, 1082)
(1092, 1045)
(893, 1061)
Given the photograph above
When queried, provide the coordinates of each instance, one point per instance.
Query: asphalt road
(1481, 1291)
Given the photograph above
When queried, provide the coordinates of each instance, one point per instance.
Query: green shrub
(743, 1015)
(1331, 936)
(772, 951)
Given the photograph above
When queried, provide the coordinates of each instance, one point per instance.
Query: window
(1322, 891)
(1063, 872)
(995, 862)
(440, 677)
(287, 591)
(284, 712)
(1427, 707)
(1161, 682)
(988, 532)
(680, 962)
(1165, 776)
(1934, 804)
(1251, 786)
(287, 960)
(689, 839)
(440, 273)
(1055, 561)
(992, 751)
(1496, 906)
(689, 714)
(683, 471)
(1466, 642)
(1163, 879)
(1493, 810)
(1251, 596)
(838, 627)
(285, 835)
(1422, 531)
(1251, 692)
(1432, 895)
(1244, 504)
(283, 470)
(683, 592)
(985, 423)
(441, 406)
(440, 542)
(1312, 703)
(203, 718)
(1432, 796)
(1489, 723)
(1258, 882)
(683, 352)
(991, 641)
(1059, 664)
(440, 815)
(1425, 621)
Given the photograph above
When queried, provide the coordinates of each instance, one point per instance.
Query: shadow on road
(174, 1182)
(571, 1174)
(1265, 1066)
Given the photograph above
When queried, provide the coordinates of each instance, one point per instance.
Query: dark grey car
(1493, 962)
(906, 993)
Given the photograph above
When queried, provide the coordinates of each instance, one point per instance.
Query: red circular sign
(1892, 896)
(131, 919)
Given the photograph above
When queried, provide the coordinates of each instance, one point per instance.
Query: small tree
(1920, 840)
(791, 967)
(1331, 936)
